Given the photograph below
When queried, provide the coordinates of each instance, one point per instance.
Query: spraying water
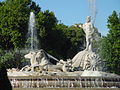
(32, 40)
(93, 10)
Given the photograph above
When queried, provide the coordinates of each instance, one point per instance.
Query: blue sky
(75, 11)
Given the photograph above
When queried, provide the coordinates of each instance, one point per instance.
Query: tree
(35, 8)
(14, 15)
(76, 38)
(111, 44)
(46, 21)
(57, 39)
(96, 40)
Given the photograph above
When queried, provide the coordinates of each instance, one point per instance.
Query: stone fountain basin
(66, 89)
(80, 79)
(76, 73)
(64, 82)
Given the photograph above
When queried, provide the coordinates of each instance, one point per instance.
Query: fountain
(32, 39)
(83, 71)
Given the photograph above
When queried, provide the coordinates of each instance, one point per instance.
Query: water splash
(93, 10)
(32, 39)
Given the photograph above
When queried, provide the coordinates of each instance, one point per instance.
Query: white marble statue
(42, 58)
(87, 59)
(89, 30)
(39, 57)
(66, 65)
(31, 55)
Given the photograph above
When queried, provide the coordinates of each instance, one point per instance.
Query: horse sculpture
(42, 58)
(31, 56)
(38, 59)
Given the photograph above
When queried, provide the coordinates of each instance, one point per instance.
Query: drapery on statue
(89, 30)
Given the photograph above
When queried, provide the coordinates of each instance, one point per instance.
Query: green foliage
(14, 21)
(113, 21)
(46, 21)
(6, 57)
(63, 41)
(111, 44)
(59, 40)
(12, 58)
(76, 40)
(35, 7)
(96, 41)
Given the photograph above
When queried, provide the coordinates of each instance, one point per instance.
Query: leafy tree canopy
(111, 44)
(14, 21)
